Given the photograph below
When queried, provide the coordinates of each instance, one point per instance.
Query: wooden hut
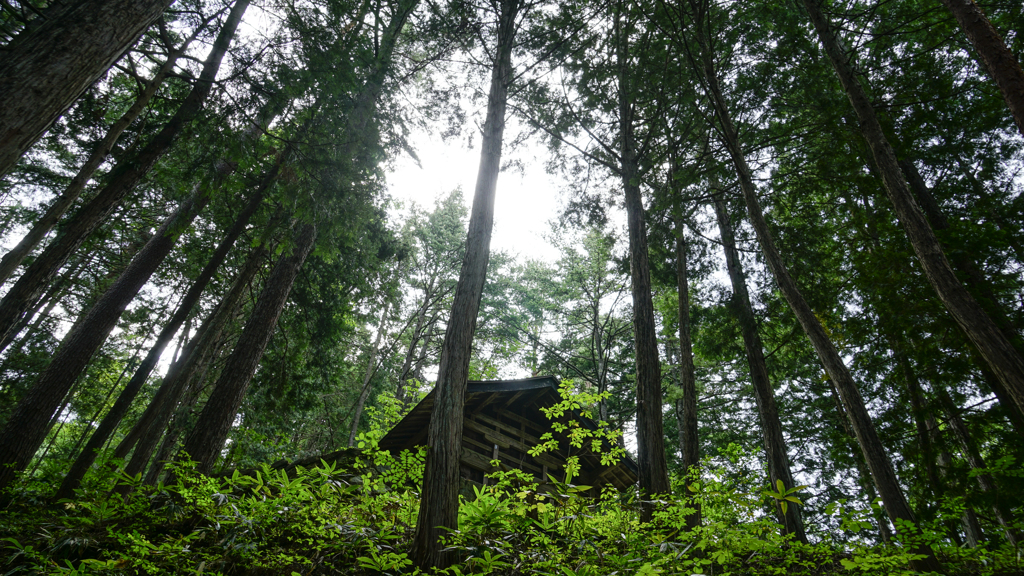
(502, 422)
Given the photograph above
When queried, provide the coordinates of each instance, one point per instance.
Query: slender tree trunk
(113, 417)
(998, 59)
(877, 460)
(122, 180)
(10, 262)
(439, 503)
(207, 438)
(180, 377)
(649, 428)
(764, 392)
(997, 351)
(1002, 514)
(863, 473)
(50, 66)
(371, 368)
(26, 428)
(686, 407)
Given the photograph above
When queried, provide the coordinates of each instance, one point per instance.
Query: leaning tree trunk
(439, 503)
(48, 220)
(122, 180)
(764, 393)
(204, 443)
(1000, 512)
(686, 407)
(997, 351)
(26, 429)
(878, 462)
(50, 66)
(999, 60)
(145, 434)
(371, 369)
(123, 403)
(650, 441)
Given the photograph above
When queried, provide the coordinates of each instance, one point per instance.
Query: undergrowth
(359, 520)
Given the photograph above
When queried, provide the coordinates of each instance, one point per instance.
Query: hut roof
(502, 421)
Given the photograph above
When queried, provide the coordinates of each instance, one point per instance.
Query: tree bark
(764, 393)
(204, 443)
(686, 407)
(877, 460)
(997, 351)
(50, 66)
(651, 461)
(439, 503)
(26, 428)
(122, 180)
(123, 403)
(10, 262)
(998, 59)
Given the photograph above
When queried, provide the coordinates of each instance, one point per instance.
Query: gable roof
(506, 414)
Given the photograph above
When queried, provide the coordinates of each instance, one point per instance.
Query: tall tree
(999, 60)
(48, 66)
(102, 149)
(27, 427)
(439, 502)
(993, 345)
(204, 443)
(123, 179)
(764, 393)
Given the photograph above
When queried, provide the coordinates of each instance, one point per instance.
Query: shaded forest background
(201, 256)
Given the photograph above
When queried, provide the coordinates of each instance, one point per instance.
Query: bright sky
(526, 201)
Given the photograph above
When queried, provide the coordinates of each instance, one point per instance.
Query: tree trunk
(371, 368)
(439, 503)
(113, 418)
(26, 428)
(1002, 514)
(982, 287)
(50, 66)
(204, 443)
(122, 180)
(180, 377)
(651, 461)
(686, 407)
(997, 351)
(10, 262)
(998, 59)
(764, 392)
(877, 460)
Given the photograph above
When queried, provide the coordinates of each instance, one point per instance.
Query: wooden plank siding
(503, 421)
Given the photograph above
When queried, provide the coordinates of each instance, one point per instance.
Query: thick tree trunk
(204, 443)
(371, 368)
(113, 417)
(764, 393)
(26, 429)
(122, 180)
(686, 407)
(10, 262)
(877, 460)
(439, 503)
(997, 351)
(52, 64)
(998, 59)
(649, 427)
